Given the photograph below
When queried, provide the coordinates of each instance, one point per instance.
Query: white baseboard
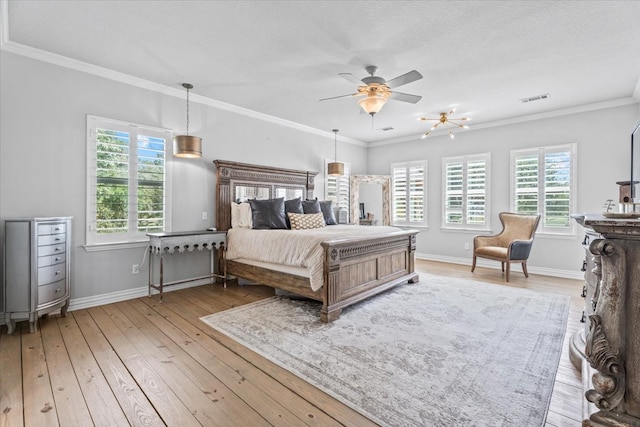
(143, 291)
(565, 274)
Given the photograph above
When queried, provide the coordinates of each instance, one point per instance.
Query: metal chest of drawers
(37, 266)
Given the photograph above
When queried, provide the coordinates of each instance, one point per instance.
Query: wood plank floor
(142, 363)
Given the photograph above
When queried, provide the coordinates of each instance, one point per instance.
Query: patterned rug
(442, 352)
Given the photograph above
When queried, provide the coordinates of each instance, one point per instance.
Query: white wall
(43, 158)
(43, 109)
(603, 140)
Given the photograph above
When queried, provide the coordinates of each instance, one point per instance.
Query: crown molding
(521, 119)
(63, 61)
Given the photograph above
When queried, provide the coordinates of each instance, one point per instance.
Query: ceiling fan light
(451, 135)
(187, 146)
(372, 104)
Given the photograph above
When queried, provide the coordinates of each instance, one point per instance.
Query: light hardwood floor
(142, 363)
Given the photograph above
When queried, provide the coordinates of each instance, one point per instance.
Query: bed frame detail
(354, 269)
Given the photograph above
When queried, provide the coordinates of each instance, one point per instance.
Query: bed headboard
(241, 180)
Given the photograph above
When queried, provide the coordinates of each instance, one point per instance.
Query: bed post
(223, 197)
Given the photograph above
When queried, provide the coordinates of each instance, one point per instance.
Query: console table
(187, 241)
(612, 375)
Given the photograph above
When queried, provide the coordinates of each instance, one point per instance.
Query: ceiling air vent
(388, 128)
(535, 98)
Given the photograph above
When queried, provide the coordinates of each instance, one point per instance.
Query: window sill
(115, 246)
(465, 230)
(411, 227)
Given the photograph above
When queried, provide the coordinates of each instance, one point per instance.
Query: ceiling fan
(376, 90)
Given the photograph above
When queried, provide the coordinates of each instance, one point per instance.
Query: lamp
(335, 168)
(446, 122)
(377, 95)
(187, 146)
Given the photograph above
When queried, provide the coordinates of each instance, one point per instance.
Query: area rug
(441, 352)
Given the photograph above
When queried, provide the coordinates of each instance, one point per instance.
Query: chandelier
(447, 122)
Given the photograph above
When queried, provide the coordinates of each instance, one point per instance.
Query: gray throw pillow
(268, 214)
(327, 210)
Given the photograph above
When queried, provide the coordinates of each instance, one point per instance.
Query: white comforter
(298, 248)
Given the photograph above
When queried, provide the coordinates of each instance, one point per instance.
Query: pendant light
(187, 146)
(335, 168)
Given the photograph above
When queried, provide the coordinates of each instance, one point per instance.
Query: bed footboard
(356, 269)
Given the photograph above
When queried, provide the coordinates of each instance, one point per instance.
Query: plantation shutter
(543, 183)
(151, 183)
(127, 179)
(111, 203)
(453, 193)
(465, 193)
(476, 192)
(557, 189)
(526, 184)
(408, 193)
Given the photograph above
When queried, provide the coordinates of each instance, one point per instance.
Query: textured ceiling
(280, 57)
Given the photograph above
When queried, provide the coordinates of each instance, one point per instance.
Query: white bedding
(298, 248)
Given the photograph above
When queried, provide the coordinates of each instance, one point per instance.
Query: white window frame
(394, 197)
(92, 238)
(340, 200)
(541, 152)
(464, 191)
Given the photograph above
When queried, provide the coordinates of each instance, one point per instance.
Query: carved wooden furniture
(612, 374)
(37, 268)
(354, 269)
(512, 244)
(186, 241)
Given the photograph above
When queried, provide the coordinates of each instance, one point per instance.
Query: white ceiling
(280, 57)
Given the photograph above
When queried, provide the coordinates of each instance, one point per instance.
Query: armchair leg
(524, 269)
(508, 269)
(502, 265)
(473, 264)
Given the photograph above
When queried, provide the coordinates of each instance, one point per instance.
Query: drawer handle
(57, 258)
(57, 272)
(58, 249)
(57, 229)
(57, 239)
(584, 291)
(57, 290)
(584, 265)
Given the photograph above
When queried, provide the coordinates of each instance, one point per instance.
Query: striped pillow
(306, 221)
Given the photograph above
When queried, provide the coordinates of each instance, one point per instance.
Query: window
(543, 181)
(127, 181)
(409, 193)
(466, 201)
(337, 190)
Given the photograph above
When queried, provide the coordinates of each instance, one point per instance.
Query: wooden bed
(354, 269)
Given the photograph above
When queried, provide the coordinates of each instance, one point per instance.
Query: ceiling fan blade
(405, 97)
(351, 78)
(409, 77)
(341, 96)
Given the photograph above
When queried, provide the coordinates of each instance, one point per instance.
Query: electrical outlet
(135, 268)
(466, 246)
(204, 216)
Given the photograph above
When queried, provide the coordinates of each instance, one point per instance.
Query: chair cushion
(492, 251)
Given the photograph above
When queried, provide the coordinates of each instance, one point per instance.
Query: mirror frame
(356, 180)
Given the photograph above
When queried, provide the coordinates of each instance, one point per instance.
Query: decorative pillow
(269, 213)
(327, 210)
(311, 206)
(293, 206)
(306, 221)
(241, 215)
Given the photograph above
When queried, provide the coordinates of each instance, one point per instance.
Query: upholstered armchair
(512, 244)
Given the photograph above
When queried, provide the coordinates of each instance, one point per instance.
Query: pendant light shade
(335, 168)
(187, 146)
